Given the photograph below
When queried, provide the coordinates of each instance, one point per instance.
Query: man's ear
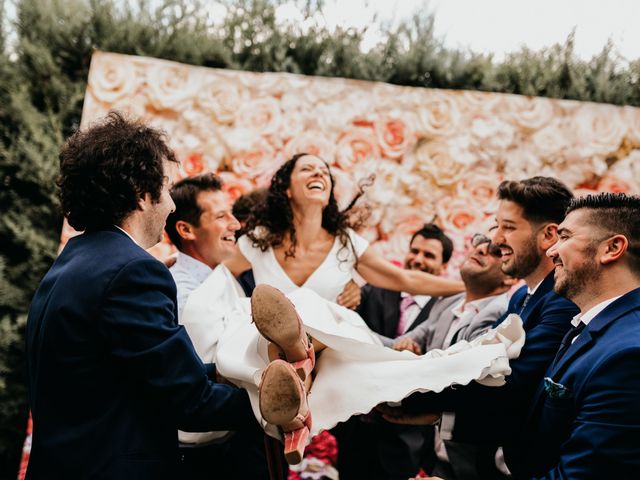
(144, 201)
(185, 230)
(612, 249)
(548, 236)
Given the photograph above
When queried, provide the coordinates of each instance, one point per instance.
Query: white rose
(632, 118)
(492, 135)
(598, 129)
(438, 116)
(112, 77)
(628, 169)
(220, 97)
(262, 115)
(172, 86)
(552, 141)
(434, 160)
(529, 113)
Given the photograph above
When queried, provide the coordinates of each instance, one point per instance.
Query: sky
(488, 26)
(502, 26)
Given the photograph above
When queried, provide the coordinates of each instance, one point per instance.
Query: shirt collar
(531, 291)
(421, 300)
(198, 269)
(127, 234)
(590, 314)
(474, 306)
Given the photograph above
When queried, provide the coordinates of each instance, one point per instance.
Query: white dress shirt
(188, 273)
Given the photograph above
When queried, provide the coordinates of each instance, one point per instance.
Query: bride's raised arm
(381, 273)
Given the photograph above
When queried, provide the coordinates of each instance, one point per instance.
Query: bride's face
(310, 182)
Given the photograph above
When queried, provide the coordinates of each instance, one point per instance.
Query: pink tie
(405, 303)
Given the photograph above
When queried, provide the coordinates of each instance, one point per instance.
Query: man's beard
(525, 263)
(574, 283)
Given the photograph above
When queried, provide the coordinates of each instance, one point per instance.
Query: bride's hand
(350, 296)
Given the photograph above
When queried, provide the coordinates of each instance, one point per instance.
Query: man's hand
(406, 343)
(396, 415)
(350, 296)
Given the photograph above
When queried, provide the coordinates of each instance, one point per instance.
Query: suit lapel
(391, 305)
(545, 287)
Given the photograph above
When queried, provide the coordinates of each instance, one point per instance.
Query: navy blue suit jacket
(494, 415)
(592, 430)
(111, 374)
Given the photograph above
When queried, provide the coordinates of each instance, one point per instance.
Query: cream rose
(254, 160)
(112, 77)
(221, 98)
(439, 162)
(598, 129)
(262, 115)
(529, 113)
(492, 135)
(172, 86)
(313, 142)
(438, 116)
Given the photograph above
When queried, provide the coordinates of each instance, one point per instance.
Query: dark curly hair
(107, 168)
(276, 217)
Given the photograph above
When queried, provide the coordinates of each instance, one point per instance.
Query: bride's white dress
(355, 373)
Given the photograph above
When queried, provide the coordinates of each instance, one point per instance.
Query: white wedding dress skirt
(355, 372)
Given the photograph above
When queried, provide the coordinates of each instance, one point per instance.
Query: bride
(299, 244)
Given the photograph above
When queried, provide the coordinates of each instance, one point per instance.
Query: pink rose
(234, 185)
(394, 135)
(356, 145)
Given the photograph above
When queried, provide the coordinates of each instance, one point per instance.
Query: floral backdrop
(435, 153)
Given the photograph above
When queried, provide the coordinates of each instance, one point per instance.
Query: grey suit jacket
(433, 331)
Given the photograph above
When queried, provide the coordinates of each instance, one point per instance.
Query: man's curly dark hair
(107, 168)
(275, 216)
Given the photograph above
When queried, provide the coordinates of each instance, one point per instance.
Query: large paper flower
(171, 86)
(438, 116)
(221, 97)
(394, 135)
(262, 115)
(356, 145)
(112, 77)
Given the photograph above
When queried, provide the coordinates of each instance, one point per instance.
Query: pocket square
(555, 390)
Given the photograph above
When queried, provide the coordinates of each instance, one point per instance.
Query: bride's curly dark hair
(275, 216)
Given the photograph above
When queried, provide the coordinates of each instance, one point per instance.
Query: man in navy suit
(111, 374)
(584, 420)
(527, 219)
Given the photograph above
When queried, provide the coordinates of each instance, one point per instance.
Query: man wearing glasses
(463, 317)
(469, 314)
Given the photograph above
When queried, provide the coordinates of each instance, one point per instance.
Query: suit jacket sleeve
(141, 332)
(607, 424)
(491, 413)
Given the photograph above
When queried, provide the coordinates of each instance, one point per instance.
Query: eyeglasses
(480, 239)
